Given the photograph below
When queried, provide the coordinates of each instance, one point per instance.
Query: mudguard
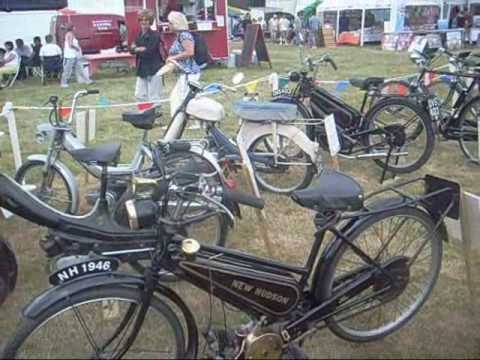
(249, 133)
(8, 270)
(55, 294)
(67, 174)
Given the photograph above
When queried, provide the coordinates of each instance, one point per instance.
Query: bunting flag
(447, 78)
(283, 82)
(252, 86)
(342, 86)
(64, 112)
(144, 106)
(103, 101)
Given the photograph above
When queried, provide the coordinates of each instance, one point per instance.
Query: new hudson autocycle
(375, 273)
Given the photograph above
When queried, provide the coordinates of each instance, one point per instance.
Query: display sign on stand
(332, 138)
(254, 40)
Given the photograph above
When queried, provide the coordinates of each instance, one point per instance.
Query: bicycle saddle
(367, 83)
(98, 225)
(265, 111)
(101, 154)
(333, 191)
(141, 119)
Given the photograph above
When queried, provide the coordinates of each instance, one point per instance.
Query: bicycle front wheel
(404, 127)
(284, 171)
(53, 190)
(405, 244)
(95, 324)
(468, 128)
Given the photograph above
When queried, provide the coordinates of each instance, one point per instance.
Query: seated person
(36, 47)
(24, 52)
(10, 63)
(51, 56)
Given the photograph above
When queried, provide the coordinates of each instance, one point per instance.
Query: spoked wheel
(407, 128)
(96, 324)
(54, 190)
(469, 131)
(292, 170)
(403, 242)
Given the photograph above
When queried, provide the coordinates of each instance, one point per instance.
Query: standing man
(273, 27)
(71, 59)
(283, 25)
(314, 25)
(147, 49)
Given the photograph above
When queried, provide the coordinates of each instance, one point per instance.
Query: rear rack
(441, 197)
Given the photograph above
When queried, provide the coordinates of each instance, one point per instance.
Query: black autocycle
(378, 269)
(379, 130)
(451, 97)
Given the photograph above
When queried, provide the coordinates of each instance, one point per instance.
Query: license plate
(434, 106)
(84, 268)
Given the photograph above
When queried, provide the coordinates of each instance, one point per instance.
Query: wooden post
(8, 113)
(470, 214)
(247, 172)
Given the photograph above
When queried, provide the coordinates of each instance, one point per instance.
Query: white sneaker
(64, 85)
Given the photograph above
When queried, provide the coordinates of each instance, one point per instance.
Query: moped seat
(333, 191)
(141, 119)
(265, 111)
(101, 154)
(367, 83)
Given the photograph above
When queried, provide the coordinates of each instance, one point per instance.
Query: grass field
(447, 327)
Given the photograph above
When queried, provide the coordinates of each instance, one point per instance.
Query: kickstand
(384, 172)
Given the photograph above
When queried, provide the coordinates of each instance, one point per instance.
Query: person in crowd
(71, 59)
(247, 20)
(2, 54)
(273, 27)
(182, 52)
(24, 53)
(343, 23)
(314, 26)
(147, 48)
(11, 61)
(50, 49)
(298, 38)
(36, 47)
(283, 26)
(468, 26)
(452, 22)
(263, 23)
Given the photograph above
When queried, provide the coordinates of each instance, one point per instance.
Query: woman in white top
(11, 61)
(71, 59)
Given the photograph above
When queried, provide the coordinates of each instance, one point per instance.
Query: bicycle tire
(298, 156)
(30, 327)
(343, 252)
(424, 122)
(29, 166)
(468, 138)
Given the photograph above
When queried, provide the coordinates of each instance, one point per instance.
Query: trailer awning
(238, 5)
(29, 5)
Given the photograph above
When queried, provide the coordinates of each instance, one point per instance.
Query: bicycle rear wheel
(96, 324)
(469, 131)
(404, 242)
(410, 128)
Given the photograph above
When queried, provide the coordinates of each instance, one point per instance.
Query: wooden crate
(329, 37)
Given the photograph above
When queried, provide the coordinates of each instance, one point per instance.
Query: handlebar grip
(244, 198)
(334, 65)
(93, 92)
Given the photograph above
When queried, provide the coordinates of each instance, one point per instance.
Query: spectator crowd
(19, 61)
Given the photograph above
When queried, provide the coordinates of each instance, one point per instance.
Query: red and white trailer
(209, 17)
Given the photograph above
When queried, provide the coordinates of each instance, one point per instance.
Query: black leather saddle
(101, 154)
(144, 120)
(367, 83)
(333, 191)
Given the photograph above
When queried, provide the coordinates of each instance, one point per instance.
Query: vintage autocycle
(379, 130)
(378, 269)
(451, 100)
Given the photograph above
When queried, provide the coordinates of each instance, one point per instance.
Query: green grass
(446, 327)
